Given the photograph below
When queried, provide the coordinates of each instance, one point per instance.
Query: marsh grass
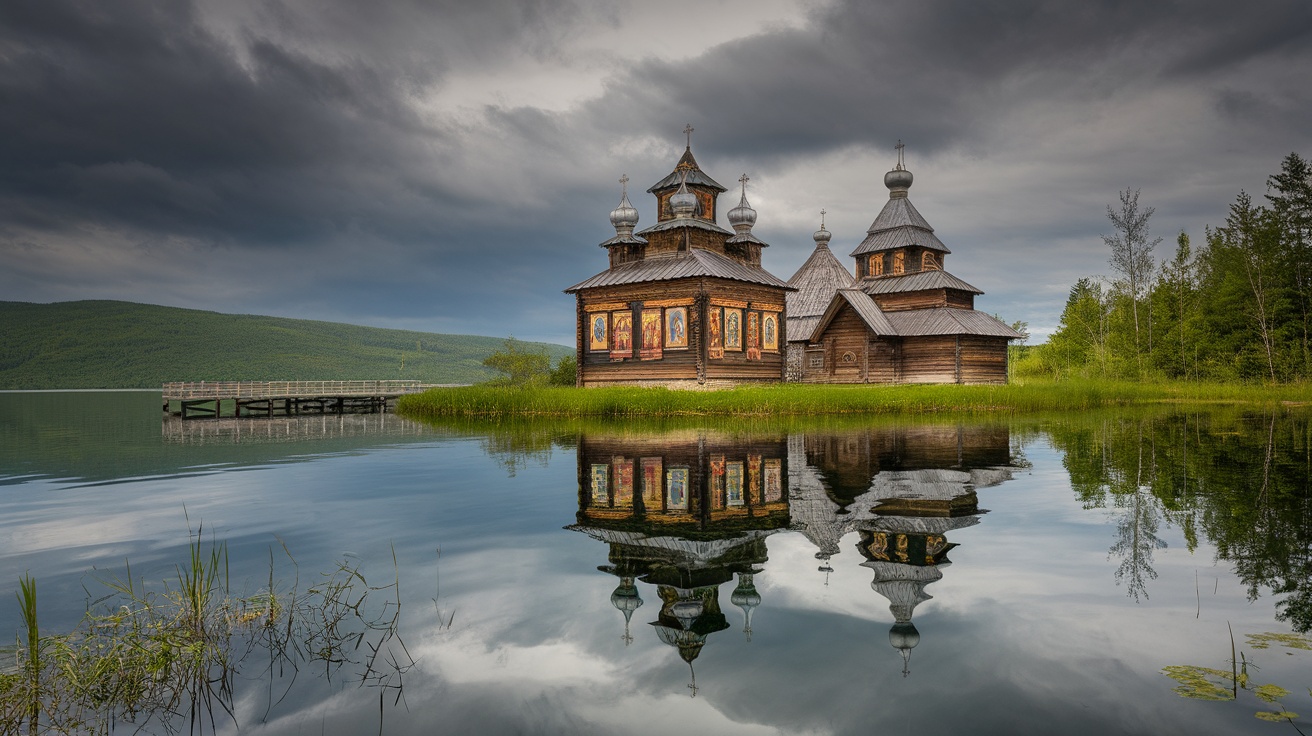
(815, 400)
(170, 655)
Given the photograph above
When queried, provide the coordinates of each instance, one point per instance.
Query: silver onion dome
(898, 180)
(742, 217)
(683, 203)
(624, 217)
(822, 236)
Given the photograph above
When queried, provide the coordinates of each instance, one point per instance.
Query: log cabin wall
(983, 359)
(904, 300)
(932, 359)
(690, 365)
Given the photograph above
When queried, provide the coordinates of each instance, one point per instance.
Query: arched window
(899, 262)
(877, 265)
(929, 261)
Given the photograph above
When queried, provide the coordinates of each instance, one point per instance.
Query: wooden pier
(210, 399)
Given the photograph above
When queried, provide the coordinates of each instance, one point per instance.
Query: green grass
(814, 400)
(106, 344)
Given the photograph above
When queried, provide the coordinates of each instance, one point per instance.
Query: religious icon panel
(733, 329)
(598, 334)
(651, 335)
(622, 323)
(676, 327)
(770, 332)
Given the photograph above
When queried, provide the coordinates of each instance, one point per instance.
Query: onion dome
(899, 179)
(626, 600)
(904, 637)
(683, 203)
(745, 597)
(624, 217)
(742, 217)
(822, 236)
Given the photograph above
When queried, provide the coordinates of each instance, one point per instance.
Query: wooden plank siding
(925, 359)
(685, 365)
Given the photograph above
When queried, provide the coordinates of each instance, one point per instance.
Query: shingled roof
(669, 266)
(918, 281)
(816, 281)
(695, 175)
(897, 226)
(912, 322)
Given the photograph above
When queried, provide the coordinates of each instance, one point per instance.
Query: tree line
(1238, 306)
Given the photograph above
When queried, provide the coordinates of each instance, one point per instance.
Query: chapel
(900, 317)
(684, 302)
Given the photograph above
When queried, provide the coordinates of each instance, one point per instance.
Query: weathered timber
(211, 399)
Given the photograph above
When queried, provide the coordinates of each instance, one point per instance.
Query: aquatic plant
(1208, 683)
(171, 655)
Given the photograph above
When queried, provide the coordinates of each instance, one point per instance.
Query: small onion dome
(904, 638)
(742, 217)
(624, 217)
(898, 180)
(683, 203)
(822, 236)
(626, 598)
(745, 595)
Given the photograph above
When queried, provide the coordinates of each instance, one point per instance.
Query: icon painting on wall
(715, 346)
(651, 335)
(676, 327)
(623, 325)
(597, 337)
(733, 329)
(770, 332)
(676, 488)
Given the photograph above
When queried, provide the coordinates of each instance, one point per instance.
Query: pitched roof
(679, 222)
(669, 266)
(909, 323)
(919, 281)
(949, 321)
(899, 224)
(900, 237)
(816, 281)
(695, 175)
(865, 308)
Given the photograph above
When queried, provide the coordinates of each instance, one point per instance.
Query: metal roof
(949, 321)
(900, 237)
(919, 281)
(695, 175)
(670, 266)
(628, 239)
(865, 308)
(910, 323)
(746, 238)
(679, 222)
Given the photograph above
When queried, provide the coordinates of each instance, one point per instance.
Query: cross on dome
(687, 130)
(624, 184)
(901, 164)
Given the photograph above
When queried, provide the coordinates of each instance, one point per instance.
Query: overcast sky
(450, 166)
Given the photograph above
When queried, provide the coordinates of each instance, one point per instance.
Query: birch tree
(1132, 253)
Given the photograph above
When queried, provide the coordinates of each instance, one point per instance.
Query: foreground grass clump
(171, 655)
(811, 400)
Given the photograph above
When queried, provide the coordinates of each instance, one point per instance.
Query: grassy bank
(811, 400)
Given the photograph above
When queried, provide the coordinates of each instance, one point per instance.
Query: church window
(877, 265)
(899, 262)
(929, 261)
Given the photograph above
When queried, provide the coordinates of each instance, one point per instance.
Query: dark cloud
(148, 151)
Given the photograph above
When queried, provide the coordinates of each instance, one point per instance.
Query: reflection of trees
(1241, 480)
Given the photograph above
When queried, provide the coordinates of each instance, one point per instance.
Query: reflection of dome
(746, 598)
(904, 638)
(626, 600)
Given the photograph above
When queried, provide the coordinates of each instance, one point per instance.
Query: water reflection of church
(685, 513)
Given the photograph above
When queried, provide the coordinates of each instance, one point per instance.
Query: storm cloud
(449, 167)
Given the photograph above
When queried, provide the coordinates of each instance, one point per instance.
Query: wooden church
(684, 302)
(901, 319)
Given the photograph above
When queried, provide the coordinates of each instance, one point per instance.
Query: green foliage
(818, 399)
(1238, 308)
(103, 344)
(519, 367)
(564, 374)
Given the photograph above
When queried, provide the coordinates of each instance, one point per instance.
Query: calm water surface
(1030, 576)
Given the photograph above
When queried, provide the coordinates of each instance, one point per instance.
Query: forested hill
(108, 344)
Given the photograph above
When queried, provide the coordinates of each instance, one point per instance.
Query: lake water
(1033, 575)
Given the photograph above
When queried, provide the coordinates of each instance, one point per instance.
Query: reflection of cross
(687, 130)
(899, 147)
(624, 182)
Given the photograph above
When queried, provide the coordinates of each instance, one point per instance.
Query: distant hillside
(106, 344)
